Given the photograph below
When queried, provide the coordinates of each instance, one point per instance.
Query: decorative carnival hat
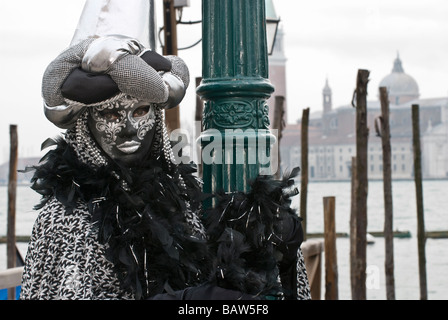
(108, 62)
(133, 18)
(110, 56)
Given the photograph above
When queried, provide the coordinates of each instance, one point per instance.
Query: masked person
(120, 219)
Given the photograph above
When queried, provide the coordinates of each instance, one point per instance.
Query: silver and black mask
(124, 128)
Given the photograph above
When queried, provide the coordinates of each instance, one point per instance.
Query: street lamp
(272, 22)
(271, 33)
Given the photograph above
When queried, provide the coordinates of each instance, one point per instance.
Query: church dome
(401, 86)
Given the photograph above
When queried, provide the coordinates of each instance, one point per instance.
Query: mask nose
(129, 131)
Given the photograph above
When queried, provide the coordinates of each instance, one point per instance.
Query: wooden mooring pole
(331, 264)
(362, 135)
(172, 115)
(383, 130)
(304, 170)
(353, 228)
(419, 195)
(12, 189)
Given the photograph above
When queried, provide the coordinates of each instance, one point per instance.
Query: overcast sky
(323, 39)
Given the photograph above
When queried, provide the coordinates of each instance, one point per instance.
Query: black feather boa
(149, 242)
(248, 232)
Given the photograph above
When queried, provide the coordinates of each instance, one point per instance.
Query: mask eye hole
(110, 115)
(140, 111)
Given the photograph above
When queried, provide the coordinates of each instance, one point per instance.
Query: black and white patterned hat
(106, 59)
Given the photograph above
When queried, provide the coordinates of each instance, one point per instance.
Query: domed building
(402, 87)
(332, 134)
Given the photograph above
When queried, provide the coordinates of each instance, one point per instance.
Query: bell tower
(327, 99)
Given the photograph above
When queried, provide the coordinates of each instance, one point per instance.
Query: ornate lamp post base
(236, 140)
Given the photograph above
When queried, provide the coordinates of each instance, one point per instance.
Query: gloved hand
(103, 52)
(205, 292)
(120, 56)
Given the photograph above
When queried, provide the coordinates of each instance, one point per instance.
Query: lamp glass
(271, 33)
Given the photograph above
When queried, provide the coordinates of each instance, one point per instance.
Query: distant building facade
(332, 134)
(332, 131)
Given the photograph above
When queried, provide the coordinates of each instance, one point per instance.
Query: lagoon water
(406, 271)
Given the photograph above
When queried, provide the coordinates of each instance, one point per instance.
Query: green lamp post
(235, 140)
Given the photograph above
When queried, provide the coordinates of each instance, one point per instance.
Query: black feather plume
(246, 231)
